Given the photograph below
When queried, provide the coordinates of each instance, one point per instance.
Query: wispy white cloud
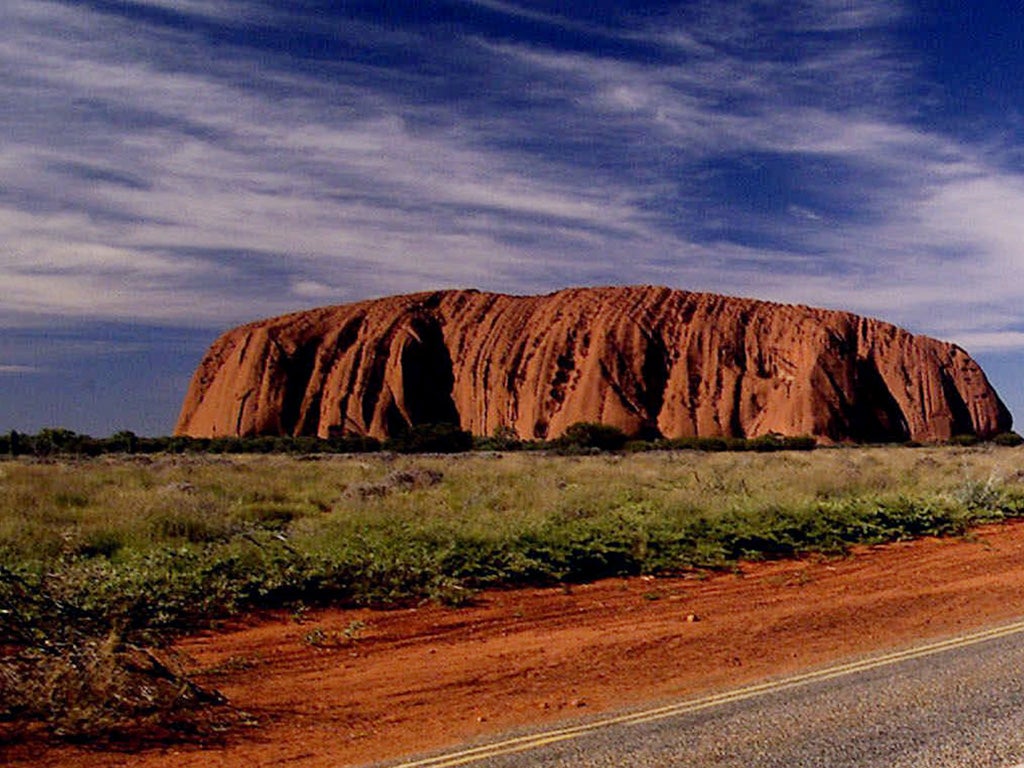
(518, 11)
(927, 227)
(995, 341)
(220, 164)
(234, 10)
(151, 174)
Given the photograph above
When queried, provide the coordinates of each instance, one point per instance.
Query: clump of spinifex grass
(101, 560)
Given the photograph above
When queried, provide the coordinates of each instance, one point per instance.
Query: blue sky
(170, 168)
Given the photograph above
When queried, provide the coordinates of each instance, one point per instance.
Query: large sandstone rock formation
(644, 359)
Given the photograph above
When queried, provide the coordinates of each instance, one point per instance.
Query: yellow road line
(524, 743)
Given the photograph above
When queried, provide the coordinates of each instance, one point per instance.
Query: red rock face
(646, 360)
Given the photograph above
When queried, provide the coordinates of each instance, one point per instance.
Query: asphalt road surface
(953, 703)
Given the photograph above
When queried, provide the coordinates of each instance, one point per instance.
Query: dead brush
(102, 690)
(69, 680)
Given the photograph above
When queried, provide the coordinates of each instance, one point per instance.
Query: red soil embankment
(415, 679)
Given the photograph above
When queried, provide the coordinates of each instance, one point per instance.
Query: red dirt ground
(415, 679)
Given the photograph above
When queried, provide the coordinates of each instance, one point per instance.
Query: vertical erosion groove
(427, 375)
(298, 371)
(961, 422)
(875, 416)
(373, 385)
(654, 372)
(240, 420)
(346, 339)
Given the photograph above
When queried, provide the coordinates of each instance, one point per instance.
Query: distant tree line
(578, 439)
(51, 442)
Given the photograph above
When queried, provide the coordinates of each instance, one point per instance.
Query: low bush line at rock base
(580, 438)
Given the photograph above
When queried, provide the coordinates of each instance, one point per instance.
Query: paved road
(958, 703)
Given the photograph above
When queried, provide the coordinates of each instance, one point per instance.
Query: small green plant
(1008, 439)
(234, 664)
(318, 637)
(964, 440)
(504, 439)
(980, 495)
(583, 436)
(354, 629)
(431, 438)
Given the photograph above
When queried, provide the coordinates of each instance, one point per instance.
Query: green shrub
(193, 524)
(121, 442)
(964, 440)
(503, 439)
(353, 444)
(431, 438)
(710, 444)
(1009, 439)
(584, 435)
(104, 542)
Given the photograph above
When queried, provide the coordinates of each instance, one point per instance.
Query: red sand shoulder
(354, 686)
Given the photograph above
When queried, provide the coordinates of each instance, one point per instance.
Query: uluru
(649, 360)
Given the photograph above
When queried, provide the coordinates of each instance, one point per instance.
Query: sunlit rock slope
(648, 360)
